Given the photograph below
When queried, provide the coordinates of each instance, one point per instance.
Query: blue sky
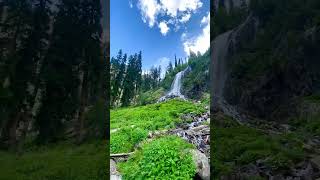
(159, 28)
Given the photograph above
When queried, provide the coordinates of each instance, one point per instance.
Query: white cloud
(145, 72)
(185, 18)
(183, 36)
(176, 12)
(200, 43)
(172, 7)
(163, 62)
(163, 28)
(205, 20)
(149, 10)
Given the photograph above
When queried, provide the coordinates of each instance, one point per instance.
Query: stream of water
(175, 90)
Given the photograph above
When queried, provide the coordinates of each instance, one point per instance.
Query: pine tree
(128, 84)
(175, 61)
(117, 75)
(169, 68)
(138, 71)
(16, 70)
(73, 64)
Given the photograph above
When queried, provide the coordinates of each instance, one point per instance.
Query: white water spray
(175, 90)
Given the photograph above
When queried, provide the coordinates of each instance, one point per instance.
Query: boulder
(202, 164)
(114, 174)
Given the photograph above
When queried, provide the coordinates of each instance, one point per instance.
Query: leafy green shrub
(125, 139)
(138, 121)
(163, 158)
(153, 116)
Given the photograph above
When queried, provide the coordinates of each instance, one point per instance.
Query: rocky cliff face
(261, 74)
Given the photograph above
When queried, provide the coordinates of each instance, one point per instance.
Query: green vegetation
(126, 138)
(135, 122)
(126, 78)
(307, 126)
(35, 60)
(314, 98)
(170, 75)
(224, 21)
(56, 161)
(150, 97)
(164, 158)
(268, 75)
(235, 145)
(196, 82)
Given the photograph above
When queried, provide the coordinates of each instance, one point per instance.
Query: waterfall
(222, 47)
(219, 65)
(220, 50)
(175, 90)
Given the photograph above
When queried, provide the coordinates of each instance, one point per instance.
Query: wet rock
(202, 164)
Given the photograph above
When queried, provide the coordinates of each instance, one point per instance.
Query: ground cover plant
(237, 145)
(56, 161)
(133, 124)
(163, 158)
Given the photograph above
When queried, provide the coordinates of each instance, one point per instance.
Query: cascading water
(221, 48)
(175, 90)
(219, 54)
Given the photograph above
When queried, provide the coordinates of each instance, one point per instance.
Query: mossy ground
(63, 161)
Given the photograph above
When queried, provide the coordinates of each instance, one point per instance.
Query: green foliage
(126, 78)
(168, 79)
(56, 161)
(238, 145)
(163, 158)
(314, 98)
(224, 21)
(196, 82)
(147, 118)
(307, 125)
(150, 97)
(126, 138)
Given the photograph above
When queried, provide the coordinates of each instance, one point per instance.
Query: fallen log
(121, 155)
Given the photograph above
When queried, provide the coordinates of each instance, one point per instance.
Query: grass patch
(237, 145)
(314, 98)
(307, 126)
(135, 122)
(162, 158)
(56, 161)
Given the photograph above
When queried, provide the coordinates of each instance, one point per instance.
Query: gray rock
(202, 164)
(113, 168)
(316, 161)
